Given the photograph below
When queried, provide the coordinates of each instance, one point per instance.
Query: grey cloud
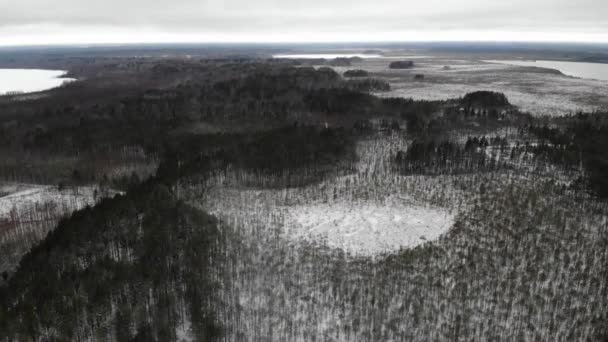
(265, 16)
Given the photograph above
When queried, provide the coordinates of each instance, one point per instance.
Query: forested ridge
(214, 155)
(128, 269)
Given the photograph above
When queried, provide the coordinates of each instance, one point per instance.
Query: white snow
(367, 228)
(30, 80)
(32, 196)
(184, 331)
(27, 208)
(597, 71)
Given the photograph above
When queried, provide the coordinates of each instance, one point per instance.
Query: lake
(597, 71)
(30, 80)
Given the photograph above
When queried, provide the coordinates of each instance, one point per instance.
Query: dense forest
(401, 65)
(203, 167)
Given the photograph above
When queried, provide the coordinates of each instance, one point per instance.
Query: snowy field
(358, 222)
(367, 228)
(535, 90)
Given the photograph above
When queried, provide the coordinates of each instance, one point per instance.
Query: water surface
(597, 71)
(30, 80)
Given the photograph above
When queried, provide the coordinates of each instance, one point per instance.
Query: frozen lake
(30, 80)
(596, 71)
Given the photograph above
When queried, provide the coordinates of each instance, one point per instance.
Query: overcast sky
(24, 22)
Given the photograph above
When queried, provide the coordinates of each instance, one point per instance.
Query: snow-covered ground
(29, 211)
(32, 209)
(367, 228)
(23, 197)
(184, 331)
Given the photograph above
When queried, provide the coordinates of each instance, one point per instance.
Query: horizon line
(296, 42)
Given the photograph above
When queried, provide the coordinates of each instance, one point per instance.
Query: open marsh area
(534, 89)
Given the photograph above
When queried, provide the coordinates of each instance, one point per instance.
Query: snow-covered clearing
(367, 228)
(22, 198)
(29, 211)
(373, 211)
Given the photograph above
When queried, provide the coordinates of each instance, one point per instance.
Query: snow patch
(367, 228)
(35, 196)
(184, 331)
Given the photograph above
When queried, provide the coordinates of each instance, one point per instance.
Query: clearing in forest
(367, 228)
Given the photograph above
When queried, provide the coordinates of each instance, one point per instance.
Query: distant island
(401, 65)
(356, 73)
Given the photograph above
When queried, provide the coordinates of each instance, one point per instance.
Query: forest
(214, 177)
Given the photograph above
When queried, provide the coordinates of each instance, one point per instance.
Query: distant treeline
(401, 65)
(356, 73)
(485, 99)
(290, 149)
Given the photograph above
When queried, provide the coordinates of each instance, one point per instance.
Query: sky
(41, 22)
